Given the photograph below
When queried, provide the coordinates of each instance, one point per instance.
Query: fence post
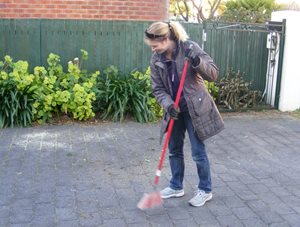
(280, 62)
(203, 35)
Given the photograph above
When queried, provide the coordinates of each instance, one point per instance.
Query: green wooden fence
(120, 43)
(116, 43)
(239, 48)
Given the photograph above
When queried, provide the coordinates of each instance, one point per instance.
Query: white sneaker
(200, 198)
(170, 193)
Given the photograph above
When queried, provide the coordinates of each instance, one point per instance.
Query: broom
(153, 199)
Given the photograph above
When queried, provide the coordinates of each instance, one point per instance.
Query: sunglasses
(152, 36)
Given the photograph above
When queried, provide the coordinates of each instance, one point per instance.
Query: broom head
(150, 200)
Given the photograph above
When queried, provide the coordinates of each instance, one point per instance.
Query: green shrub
(17, 89)
(153, 105)
(69, 93)
(49, 91)
(213, 89)
(118, 96)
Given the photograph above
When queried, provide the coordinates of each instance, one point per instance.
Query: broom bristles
(150, 200)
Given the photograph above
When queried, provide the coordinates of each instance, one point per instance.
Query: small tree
(197, 10)
(179, 9)
(206, 10)
(251, 11)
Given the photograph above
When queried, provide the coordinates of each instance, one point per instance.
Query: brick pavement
(94, 175)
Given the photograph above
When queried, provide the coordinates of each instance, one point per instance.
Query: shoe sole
(201, 204)
(173, 195)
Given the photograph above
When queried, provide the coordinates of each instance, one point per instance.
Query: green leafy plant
(118, 96)
(45, 104)
(153, 105)
(69, 93)
(213, 89)
(16, 93)
(76, 94)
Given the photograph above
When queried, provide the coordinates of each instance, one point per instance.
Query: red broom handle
(171, 123)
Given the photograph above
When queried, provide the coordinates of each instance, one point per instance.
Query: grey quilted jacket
(205, 116)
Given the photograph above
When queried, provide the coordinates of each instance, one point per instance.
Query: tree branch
(186, 17)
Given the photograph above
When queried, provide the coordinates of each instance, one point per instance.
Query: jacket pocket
(201, 105)
(205, 115)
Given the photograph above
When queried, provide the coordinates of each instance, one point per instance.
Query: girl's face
(159, 46)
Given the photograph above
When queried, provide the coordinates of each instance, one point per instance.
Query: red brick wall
(142, 10)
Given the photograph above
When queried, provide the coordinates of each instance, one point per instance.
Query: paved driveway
(94, 175)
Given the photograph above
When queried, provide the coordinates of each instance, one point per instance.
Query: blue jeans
(176, 156)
